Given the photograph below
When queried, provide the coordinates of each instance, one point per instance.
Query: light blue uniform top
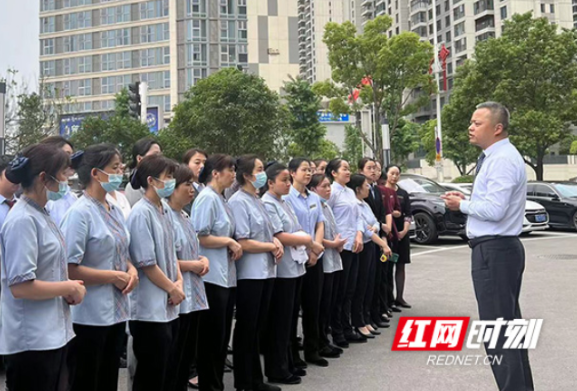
(368, 219)
(283, 219)
(187, 250)
(332, 261)
(58, 209)
(4, 209)
(307, 209)
(98, 239)
(347, 214)
(252, 222)
(152, 243)
(211, 215)
(32, 248)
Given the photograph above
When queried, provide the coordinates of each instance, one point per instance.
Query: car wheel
(426, 229)
(575, 220)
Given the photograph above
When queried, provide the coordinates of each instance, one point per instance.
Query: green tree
(306, 132)
(397, 68)
(352, 147)
(327, 150)
(404, 141)
(119, 129)
(232, 112)
(531, 69)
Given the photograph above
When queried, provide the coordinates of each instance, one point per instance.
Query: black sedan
(559, 199)
(431, 217)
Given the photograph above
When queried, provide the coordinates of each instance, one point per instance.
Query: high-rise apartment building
(91, 49)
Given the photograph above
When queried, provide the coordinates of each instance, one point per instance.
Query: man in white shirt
(7, 192)
(495, 220)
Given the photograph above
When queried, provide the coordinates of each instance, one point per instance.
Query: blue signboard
(326, 116)
(70, 123)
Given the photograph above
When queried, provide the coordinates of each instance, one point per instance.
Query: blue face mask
(168, 189)
(260, 180)
(113, 184)
(56, 195)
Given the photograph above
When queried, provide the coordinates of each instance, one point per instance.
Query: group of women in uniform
(294, 237)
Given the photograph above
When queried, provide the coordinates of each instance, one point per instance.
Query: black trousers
(340, 320)
(295, 322)
(277, 335)
(154, 345)
(328, 301)
(311, 304)
(186, 349)
(214, 330)
(252, 305)
(365, 285)
(94, 357)
(37, 370)
(497, 271)
(389, 284)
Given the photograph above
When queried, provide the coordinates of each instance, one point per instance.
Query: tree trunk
(378, 136)
(539, 167)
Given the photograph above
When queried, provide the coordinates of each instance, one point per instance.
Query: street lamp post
(2, 119)
(438, 128)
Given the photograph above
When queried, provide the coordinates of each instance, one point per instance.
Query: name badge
(313, 206)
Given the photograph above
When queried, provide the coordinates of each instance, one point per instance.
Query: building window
(226, 7)
(543, 8)
(461, 45)
(227, 54)
(75, 3)
(113, 38)
(459, 12)
(196, 54)
(460, 29)
(85, 87)
(196, 30)
(114, 15)
(107, 85)
(78, 20)
(85, 64)
(154, 9)
(552, 8)
(504, 12)
(242, 34)
(47, 5)
(242, 7)
(194, 75)
(48, 68)
(47, 25)
(448, 36)
(242, 53)
(154, 33)
(47, 46)
(196, 8)
(154, 57)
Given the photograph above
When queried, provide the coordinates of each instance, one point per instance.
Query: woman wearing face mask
(155, 301)
(351, 227)
(97, 243)
(278, 362)
(332, 263)
(363, 295)
(195, 159)
(192, 266)
(144, 147)
(402, 222)
(307, 207)
(215, 225)
(36, 293)
(256, 271)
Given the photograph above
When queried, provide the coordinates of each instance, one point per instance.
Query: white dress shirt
(497, 205)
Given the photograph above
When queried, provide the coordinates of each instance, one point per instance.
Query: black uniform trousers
(214, 331)
(295, 323)
(341, 318)
(186, 349)
(497, 271)
(37, 370)
(277, 335)
(154, 346)
(94, 357)
(311, 305)
(365, 284)
(252, 305)
(328, 302)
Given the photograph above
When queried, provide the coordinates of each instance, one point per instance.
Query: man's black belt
(482, 239)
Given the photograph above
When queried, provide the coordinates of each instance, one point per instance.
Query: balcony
(485, 24)
(484, 7)
(366, 3)
(367, 10)
(419, 5)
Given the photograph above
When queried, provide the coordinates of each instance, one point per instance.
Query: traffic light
(134, 100)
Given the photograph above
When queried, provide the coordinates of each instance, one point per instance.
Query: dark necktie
(10, 203)
(480, 161)
(373, 191)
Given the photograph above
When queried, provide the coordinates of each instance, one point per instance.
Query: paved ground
(439, 284)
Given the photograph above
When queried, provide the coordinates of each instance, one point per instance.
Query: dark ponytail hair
(333, 165)
(316, 180)
(96, 156)
(356, 181)
(295, 163)
(151, 166)
(182, 174)
(141, 148)
(273, 170)
(391, 166)
(244, 166)
(35, 159)
(218, 162)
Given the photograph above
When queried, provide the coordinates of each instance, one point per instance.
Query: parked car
(536, 217)
(431, 217)
(559, 199)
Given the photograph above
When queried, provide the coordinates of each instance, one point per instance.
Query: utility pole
(2, 119)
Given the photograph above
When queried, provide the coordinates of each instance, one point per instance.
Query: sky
(19, 44)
